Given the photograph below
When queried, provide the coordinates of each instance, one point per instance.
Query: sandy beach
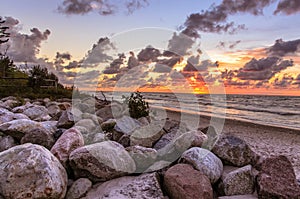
(264, 140)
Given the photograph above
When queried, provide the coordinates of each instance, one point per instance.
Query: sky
(198, 46)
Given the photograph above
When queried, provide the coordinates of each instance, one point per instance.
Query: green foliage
(39, 76)
(138, 107)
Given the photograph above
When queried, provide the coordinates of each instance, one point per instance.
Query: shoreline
(265, 140)
(208, 117)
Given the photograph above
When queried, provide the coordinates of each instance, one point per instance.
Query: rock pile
(89, 148)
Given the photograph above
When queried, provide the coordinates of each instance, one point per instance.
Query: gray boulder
(5, 115)
(145, 186)
(127, 125)
(147, 135)
(234, 151)
(70, 140)
(7, 142)
(204, 161)
(39, 136)
(142, 156)
(101, 161)
(237, 181)
(37, 113)
(79, 188)
(31, 171)
(87, 123)
(18, 128)
(66, 120)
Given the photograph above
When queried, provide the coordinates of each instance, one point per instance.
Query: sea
(282, 111)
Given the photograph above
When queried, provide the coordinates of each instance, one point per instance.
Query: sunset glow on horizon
(249, 47)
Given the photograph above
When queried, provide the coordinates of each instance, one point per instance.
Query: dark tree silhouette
(4, 36)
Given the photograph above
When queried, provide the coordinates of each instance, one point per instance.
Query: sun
(198, 90)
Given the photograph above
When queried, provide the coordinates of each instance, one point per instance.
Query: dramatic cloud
(215, 19)
(180, 44)
(263, 69)
(132, 61)
(24, 47)
(148, 54)
(103, 7)
(115, 65)
(284, 82)
(98, 53)
(66, 56)
(288, 7)
(60, 58)
(282, 48)
(203, 66)
(170, 62)
(161, 68)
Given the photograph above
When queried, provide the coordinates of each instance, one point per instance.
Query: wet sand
(263, 139)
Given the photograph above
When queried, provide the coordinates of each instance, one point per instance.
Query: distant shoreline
(206, 118)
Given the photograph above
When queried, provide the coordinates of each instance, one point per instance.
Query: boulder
(111, 111)
(277, 179)
(248, 196)
(31, 171)
(53, 109)
(158, 166)
(37, 113)
(87, 123)
(237, 181)
(70, 140)
(182, 181)
(50, 126)
(99, 137)
(204, 161)
(190, 139)
(108, 125)
(79, 188)
(7, 142)
(18, 128)
(21, 109)
(147, 135)
(39, 136)
(164, 141)
(142, 156)
(19, 116)
(234, 151)
(66, 120)
(145, 186)
(9, 103)
(126, 125)
(5, 115)
(101, 161)
(180, 143)
(97, 120)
